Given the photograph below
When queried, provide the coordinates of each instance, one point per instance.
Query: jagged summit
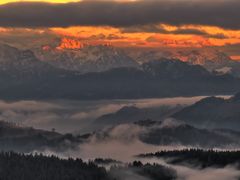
(87, 58)
(174, 68)
(70, 44)
(202, 56)
(15, 62)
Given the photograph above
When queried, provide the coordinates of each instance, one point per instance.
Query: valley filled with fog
(119, 90)
(152, 128)
(67, 116)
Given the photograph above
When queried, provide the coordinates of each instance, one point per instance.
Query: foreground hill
(24, 139)
(38, 167)
(28, 167)
(198, 158)
(159, 133)
(213, 112)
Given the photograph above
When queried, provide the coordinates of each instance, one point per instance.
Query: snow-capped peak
(88, 58)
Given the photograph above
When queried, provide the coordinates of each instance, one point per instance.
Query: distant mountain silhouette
(130, 114)
(213, 112)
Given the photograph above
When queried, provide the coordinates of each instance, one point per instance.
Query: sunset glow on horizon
(73, 37)
(96, 26)
(48, 1)
(126, 37)
(52, 1)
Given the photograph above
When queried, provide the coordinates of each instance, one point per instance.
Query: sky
(123, 23)
(51, 1)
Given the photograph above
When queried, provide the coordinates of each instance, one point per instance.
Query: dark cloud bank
(222, 13)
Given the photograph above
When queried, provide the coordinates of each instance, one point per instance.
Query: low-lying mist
(121, 144)
(71, 116)
(230, 172)
(126, 151)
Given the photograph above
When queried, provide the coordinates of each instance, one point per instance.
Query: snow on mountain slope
(194, 56)
(87, 58)
(210, 58)
(15, 62)
(203, 56)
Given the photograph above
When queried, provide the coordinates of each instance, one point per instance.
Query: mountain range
(24, 76)
(210, 58)
(75, 56)
(85, 58)
(72, 55)
(193, 56)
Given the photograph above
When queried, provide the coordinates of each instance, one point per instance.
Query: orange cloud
(52, 1)
(237, 58)
(168, 36)
(212, 36)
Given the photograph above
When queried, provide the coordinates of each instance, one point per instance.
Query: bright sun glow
(51, 1)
